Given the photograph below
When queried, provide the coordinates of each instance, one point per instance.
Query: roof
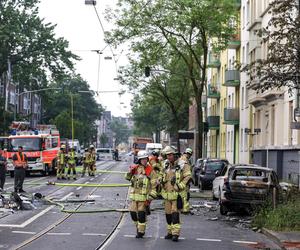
(252, 166)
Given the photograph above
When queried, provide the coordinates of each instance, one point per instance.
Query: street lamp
(90, 2)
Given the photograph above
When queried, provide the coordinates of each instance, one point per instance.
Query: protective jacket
(175, 178)
(143, 183)
(20, 160)
(71, 157)
(61, 157)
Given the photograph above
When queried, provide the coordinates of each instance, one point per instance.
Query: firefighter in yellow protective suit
(72, 164)
(61, 163)
(186, 157)
(176, 175)
(93, 158)
(142, 191)
(86, 162)
(156, 164)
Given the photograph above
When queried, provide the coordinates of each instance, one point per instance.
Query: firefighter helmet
(92, 146)
(155, 152)
(188, 151)
(63, 146)
(142, 154)
(169, 150)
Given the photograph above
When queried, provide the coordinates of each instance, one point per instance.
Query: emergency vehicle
(40, 145)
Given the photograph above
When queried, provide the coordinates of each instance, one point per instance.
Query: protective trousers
(186, 203)
(71, 167)
(172, 217)
(19, 179)
(85, 167)
(60, 171)
(92, 169)
(138, 215)
(2, 176)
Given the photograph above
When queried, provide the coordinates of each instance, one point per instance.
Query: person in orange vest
(3, 165)
(20, 163)
(142, 191)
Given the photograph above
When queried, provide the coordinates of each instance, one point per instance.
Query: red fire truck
(40, 145)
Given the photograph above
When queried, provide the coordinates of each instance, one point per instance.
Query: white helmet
(188, 151)
(91, 146)
(169, 150)
(142, 154)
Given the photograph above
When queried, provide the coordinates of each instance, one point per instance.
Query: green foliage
(31, 45)
(281, 66)
(169, 30)
(103, 140)
(5, 118)
(120, 130)
(57, 109)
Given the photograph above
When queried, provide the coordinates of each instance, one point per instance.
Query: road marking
(58, 233)
(87, 182)
(244, 242)
(23, 232)
(203, 239)
(24, 224)
(181, 238)
(92, 234)
(92, 179)
(78, 188)
(129, 235)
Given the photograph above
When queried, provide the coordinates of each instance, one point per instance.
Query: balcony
(232, 78)
(213, 61)
(213, 92)
(213, 122)
(231, 116)
(234, 42)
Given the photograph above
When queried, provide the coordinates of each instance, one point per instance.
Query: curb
(270, 234)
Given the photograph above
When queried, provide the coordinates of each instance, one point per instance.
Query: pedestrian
(3, 166)
(175, 178)
(20, 164)
(186, 157)
(142, 191)
(61, 162)
(86, 162)
(72, 164)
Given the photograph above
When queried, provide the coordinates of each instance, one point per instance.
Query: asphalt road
(48, 228)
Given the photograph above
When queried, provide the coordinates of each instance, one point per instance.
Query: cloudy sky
(78, 23)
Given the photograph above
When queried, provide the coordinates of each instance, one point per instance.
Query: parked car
(196, 171)
(247, 187)
(208, 172)
(218, 183)
(104, 154)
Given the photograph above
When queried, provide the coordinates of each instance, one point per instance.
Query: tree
(103, 140)
(30, 45)
(5, 118)
(120, 130)
(281, 66)
(57, 109)
(183, 28)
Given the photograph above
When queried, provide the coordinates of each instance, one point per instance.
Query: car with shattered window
(208, 170)
(249, 187)
(218, 182)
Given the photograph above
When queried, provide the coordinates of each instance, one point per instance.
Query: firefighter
(3, 167)
(176, 175)
(142, 191)
(156, 163)
(86, 162)
(61, 162)
(93, 158)
(72, 164)
(20, 163)
(186, 157)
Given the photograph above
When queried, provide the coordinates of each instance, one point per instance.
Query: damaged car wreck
(249, 187)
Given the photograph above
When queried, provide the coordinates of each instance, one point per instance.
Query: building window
(12, 98)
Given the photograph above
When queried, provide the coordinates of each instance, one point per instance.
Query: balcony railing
(213, 61)
(213, 92)
(232, 78)
(234, 42)
(231, 116)
(213, 122)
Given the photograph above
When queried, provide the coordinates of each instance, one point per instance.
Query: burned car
(248, 187)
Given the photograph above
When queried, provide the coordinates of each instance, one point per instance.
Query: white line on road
(129, 235)
(93, 234)
(78, 188)
(244, 242)
(24, 224)
(23, 232)
(58, 233)
(203, 239)
(92, 179)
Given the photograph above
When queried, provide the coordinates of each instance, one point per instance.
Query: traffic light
(147, 71)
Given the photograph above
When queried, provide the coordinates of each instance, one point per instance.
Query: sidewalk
(287, 240)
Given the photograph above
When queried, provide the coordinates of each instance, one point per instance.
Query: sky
(78, 24)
